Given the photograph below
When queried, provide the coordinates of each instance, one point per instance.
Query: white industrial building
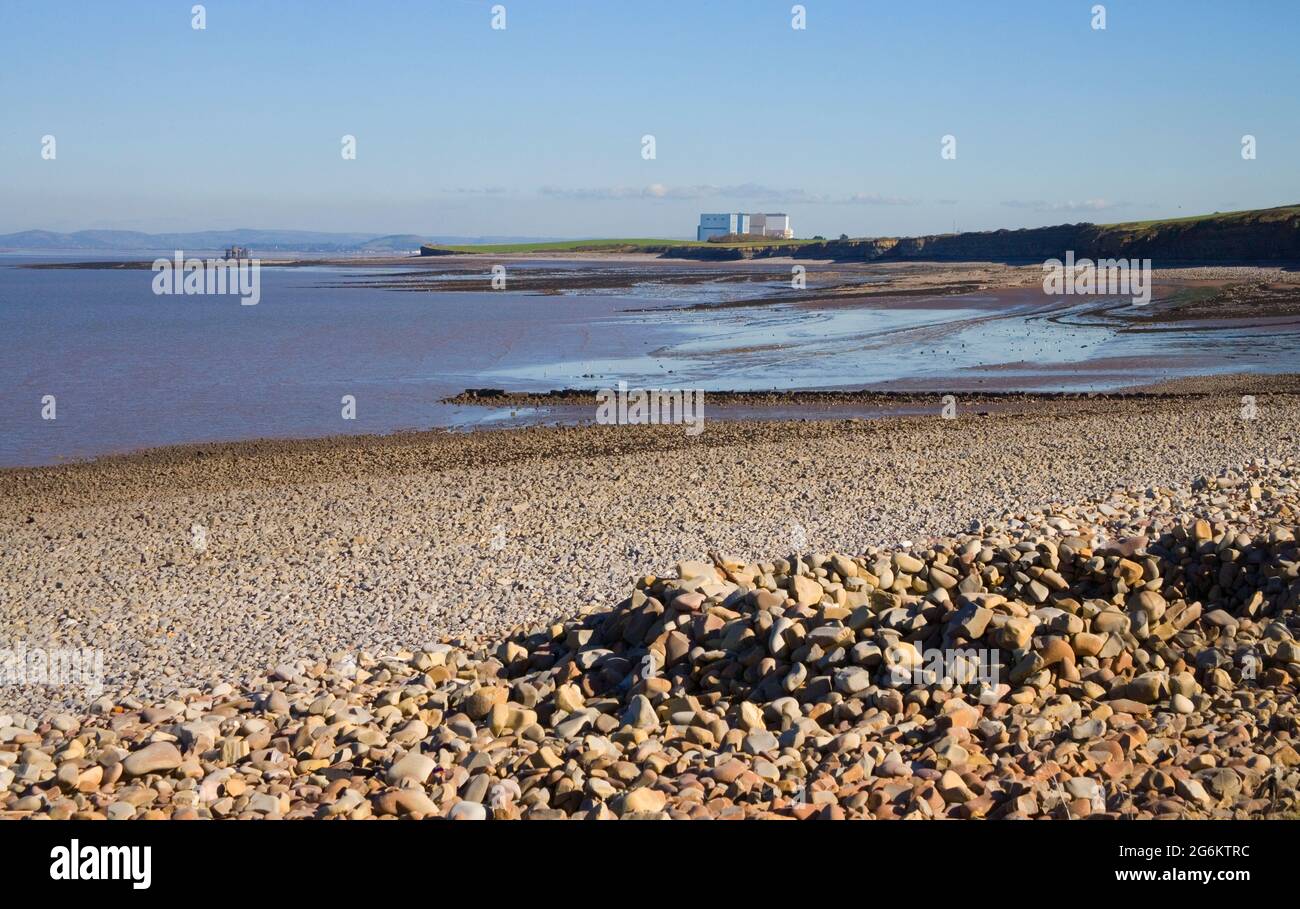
(771, 224)
(761, 224)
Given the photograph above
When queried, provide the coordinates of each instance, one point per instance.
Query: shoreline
(626, 257)
(780, 406)
(1188, 386)
(975, 331)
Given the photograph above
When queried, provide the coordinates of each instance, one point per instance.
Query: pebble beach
(560, 622)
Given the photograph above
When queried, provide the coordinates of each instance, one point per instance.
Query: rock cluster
(1137, 659)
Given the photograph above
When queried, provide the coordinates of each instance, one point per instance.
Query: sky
(536, 129)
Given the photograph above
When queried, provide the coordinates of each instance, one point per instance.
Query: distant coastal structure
(721, 225)
(771, 225)
(237, 253)
(759, 224)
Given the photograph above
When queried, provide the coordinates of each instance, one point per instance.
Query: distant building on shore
(771, 224)
(721, 225)
(237, 253)
(758, 224)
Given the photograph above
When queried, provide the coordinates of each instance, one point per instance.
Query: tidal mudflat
(131, 370)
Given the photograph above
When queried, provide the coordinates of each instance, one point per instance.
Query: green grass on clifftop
(604, 246)
(1251, 215)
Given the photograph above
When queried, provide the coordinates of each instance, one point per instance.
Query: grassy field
(1280, 213)
(651, 245)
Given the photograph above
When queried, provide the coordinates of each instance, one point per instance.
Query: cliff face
(1258, 236)
(1210, 239)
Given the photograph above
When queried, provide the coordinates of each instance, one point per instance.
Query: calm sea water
(129, 369)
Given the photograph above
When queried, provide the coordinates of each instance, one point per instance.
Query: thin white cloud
(876, 199)
(1041, 205)
(606, 192)
(748, 192)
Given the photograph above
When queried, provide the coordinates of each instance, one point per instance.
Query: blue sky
(536, 129)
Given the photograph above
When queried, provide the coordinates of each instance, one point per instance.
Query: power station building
(758, 224)
(721, 225)
(771, 225)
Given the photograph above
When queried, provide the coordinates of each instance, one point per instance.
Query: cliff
(1261, 235)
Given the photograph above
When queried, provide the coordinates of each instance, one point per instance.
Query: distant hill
(259, 241)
